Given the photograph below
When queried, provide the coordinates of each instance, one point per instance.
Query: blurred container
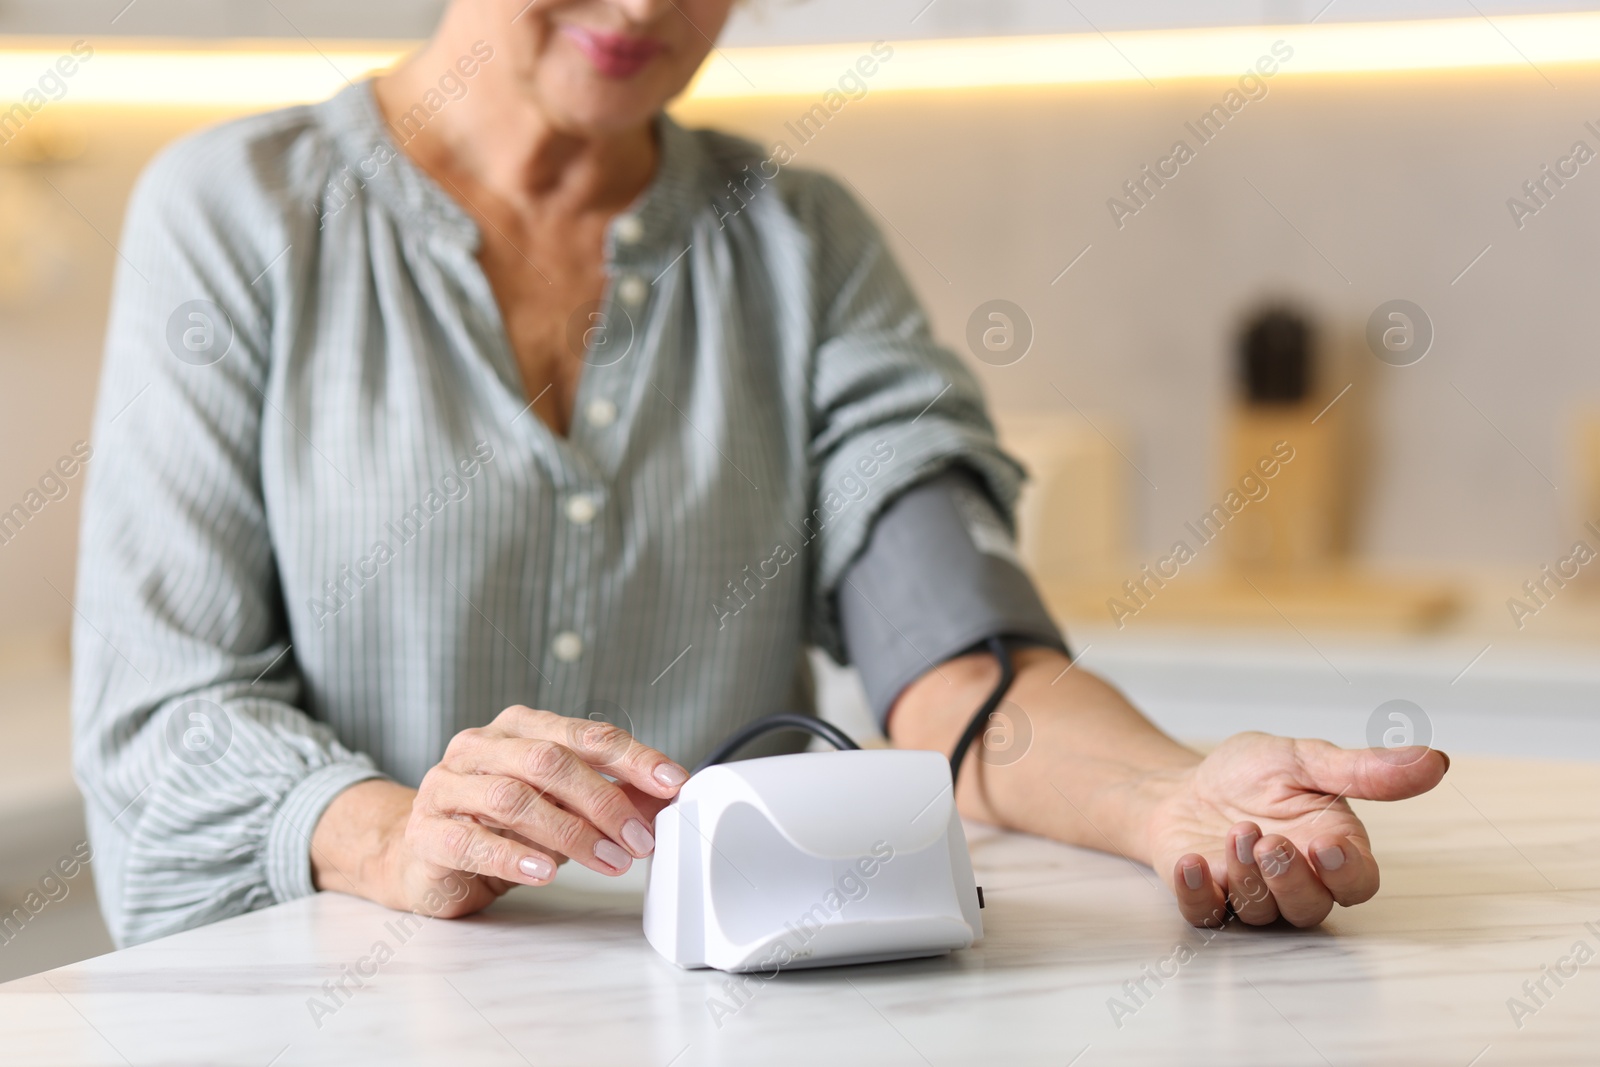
(1073, 518)
(1283, 504)
(1588, 469)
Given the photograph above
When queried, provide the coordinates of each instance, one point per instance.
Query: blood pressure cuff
(940, 574)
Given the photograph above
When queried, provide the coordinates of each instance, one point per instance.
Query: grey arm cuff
(939, 574)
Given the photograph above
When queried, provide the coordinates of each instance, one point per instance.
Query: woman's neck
(497, 138)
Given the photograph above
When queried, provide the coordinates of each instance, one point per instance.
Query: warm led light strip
(1163, 55)
(255, 76)
(225, 78)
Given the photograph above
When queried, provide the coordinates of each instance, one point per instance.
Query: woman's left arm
(1260, 825)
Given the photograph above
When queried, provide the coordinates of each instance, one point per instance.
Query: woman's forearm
(1083, 765)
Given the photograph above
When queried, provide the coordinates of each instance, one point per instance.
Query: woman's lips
(614, 55)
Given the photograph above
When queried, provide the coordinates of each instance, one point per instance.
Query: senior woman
(484, 387)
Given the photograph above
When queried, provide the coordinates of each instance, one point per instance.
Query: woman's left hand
(1261, 826)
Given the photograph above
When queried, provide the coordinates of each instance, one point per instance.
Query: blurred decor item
(1589, 464)
(1272, 545)
(1588, 470)
(35, 262)
(1285, 504)
(42, 141)
(1073, 518)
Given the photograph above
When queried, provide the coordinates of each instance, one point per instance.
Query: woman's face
(603, 66)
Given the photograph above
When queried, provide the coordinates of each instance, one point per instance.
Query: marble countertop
(1491, 881)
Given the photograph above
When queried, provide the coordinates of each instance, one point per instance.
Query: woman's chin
(584, 100)
(599, 118)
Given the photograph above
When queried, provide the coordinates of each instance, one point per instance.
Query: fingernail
(637, 838)
(671, 775)
(1191, 876)
(1275, 862)
(1244, 846)
(1330, 858)
(1446, 762)
(537, 868)
(611, 854)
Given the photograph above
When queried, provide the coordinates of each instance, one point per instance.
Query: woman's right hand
(508, 802)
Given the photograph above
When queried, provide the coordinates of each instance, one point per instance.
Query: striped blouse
(325, 531)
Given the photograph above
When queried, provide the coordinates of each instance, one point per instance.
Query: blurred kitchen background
(1338, 263)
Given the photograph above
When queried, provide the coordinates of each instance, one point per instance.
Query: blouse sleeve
(892, 408)
(203, 777)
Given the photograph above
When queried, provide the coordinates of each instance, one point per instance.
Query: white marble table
(1487, 880)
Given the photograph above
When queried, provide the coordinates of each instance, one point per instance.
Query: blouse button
(601, 413)
(581, 509)
(632, 290)
(628, 228)
(567, 646)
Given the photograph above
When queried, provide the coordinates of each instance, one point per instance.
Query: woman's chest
(687, 425)
(548, 284)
